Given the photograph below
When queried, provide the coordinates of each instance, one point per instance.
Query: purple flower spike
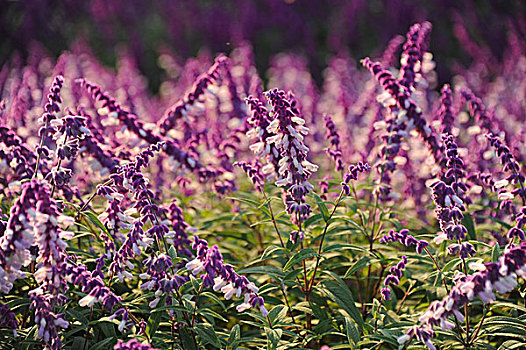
(220, 277)
(334, 151)
(393, 277)
(132, 344)
(8, 319)
(500, 276)
(405, 238)
(182, 107)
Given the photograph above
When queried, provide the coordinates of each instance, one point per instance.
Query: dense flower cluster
(510, 165)
(352, 174)
(500, 276)
(133, 344)
(294, 168)
(335, 150)
(133, 176)
(8, 319)
(46, 131)
(222, 276)
(183, 107)
(448, 195)
(395, 273)
(405, 238)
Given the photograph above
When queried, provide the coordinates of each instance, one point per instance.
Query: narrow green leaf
(154, 320)
(273, 337)
(94, 219)
(353, 336)
(235, 335)
(323, 208)
(495, 252)
(208, 334)
(467, 221)
(299, 257)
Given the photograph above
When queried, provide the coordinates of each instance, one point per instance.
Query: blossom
(200, 86)
(500, 276)
(8, 319)
(395, 273)
(51, 107)
(413, 52)
(511, 165)
(334, 151)
(294, 168)
(132, 344)
(404, 238)
(445, 113)
(18, 237)
(223, 277)
(253, 171)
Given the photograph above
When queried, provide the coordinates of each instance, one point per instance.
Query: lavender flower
(18, 236)
(132, 344)
(183, 106)
(51, 272)
(500, 276)
(136, 126)
(510, 165)
(404, 238)
(260, 120)
(445, 113)
(448, 195)
(412, 113)
(413, 52)
(223, 277)
(395, 273)
(253, 171)
(334, 151)
(51, 107)
(352, 174)
(180, 239)
(8, 319)
(294, 168)
(158, 279)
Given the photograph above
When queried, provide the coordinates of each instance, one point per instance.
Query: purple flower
(132, 344)
(500, 276)
(183, 106)
(223, 277)
(511, 165)
(253, 171)
(51, 107)
(445, 113)
(395, 273)
(405, 238)
(413, 52)
(8, 319)
(334, 151)
(294, 168)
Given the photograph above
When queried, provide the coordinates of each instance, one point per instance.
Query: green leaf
(103, 344)
(270, 251)
(353, 336)
(299, 257)
(341, 295)
(467, 221)
(323, 208)
(273, 337)
(172, 252)
(207, 333)
(233, 339)
(357, 266)
(495, 252)
(94, 219)
(154, 320)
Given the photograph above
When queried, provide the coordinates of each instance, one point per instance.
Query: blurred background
(462, 30)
